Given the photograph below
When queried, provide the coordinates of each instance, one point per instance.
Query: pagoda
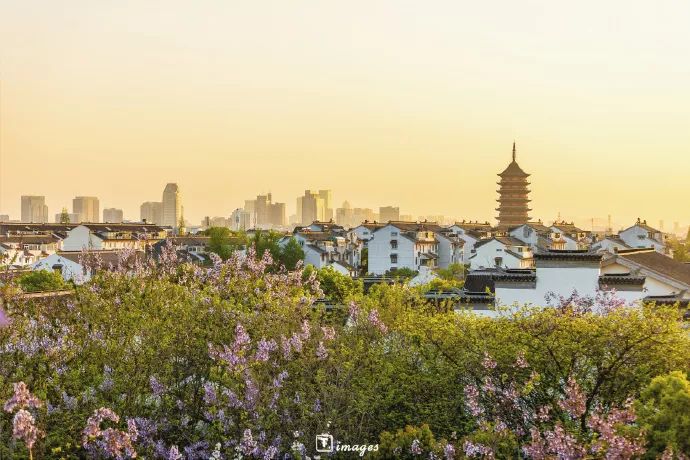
(513, 198)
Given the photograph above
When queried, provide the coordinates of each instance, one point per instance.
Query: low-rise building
(642, 235)
(501, 252)
(413, 245)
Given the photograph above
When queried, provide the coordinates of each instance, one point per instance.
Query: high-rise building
(113, 215)
(327, 197)
(389, 213)
(172, 206)
(151, 212)
(266, 213)
(312, 207)
(87, 208)
(241, 219)
(513, 209)
(34, 209)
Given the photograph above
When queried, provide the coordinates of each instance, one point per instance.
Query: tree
(267, 241)
(401, 274)
(454, 272)
(64, 216)
(291, 254)
(42, 280)
(664, 412)
(220, 242)
(335, 286)
(364, 262)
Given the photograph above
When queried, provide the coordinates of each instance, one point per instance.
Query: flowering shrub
(167, 360)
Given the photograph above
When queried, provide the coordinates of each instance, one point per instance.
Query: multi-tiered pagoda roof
(513, 209)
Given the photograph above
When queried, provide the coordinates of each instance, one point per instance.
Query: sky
(408, 103)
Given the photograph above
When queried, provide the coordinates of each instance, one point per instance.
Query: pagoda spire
(513, 150)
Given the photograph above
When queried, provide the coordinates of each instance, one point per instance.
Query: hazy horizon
(413, 104)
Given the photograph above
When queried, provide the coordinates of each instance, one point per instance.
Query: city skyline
(398, 106)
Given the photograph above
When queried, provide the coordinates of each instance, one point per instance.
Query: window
(57, 268)
(394, 233)
(498, 261)
(394, 258)
(394, 244)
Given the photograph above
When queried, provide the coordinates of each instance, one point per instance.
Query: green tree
(364, 262)
(663, 410)
(220, 242)
(336, 286)
(401, 274)
(454, 272)
(291, 254)
(267, 241)
(64, 216)
(41, 280)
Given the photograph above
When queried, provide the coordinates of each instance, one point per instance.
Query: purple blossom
(24, 428)
(264, 348)
(375, 321)
(21, 398)
(415, 448)
(449, 451)
(488, 362)
(321, 352)
(328, 332)
(157, 388)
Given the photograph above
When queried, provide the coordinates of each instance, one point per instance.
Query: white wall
(380, 251)
(80, 238)
(70, 270)
(485, 256)
(561, 281)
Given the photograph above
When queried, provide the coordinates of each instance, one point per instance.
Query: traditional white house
(365, 231)
(611, 243)
(325, 248)
(21, 250)
(534, 234)
(561, 274)
(664, 276)
(71, 265)
(642, 235)
(471, 233)
(566, 236)
(501, 252)
(407, 245)
(97, 237)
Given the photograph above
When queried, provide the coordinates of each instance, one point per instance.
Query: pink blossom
(24, 428)
(488, 362)
(328, 332)
(22, 398)
(575, 400)
(375, 321)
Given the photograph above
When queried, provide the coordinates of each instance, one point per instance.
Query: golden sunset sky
(409, 103)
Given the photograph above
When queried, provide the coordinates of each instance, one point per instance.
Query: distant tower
(172, 206)
(513, 208)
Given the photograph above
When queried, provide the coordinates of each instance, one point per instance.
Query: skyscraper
(113, 215)
(327, 197)
(389, 213)
(151, 212)
(311, 207)
(513, 198)
(34, 209)
(87, 208)
(172, 206)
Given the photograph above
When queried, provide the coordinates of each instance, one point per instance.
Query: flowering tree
(162, 359)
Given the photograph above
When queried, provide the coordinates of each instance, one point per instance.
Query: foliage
(291, 254)
(401, 274)
(454, 272)
(64, 216)
(364, 261)
(664, 412)
(336, 286)
(221, 242)
(41, 280)
(179, 361)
